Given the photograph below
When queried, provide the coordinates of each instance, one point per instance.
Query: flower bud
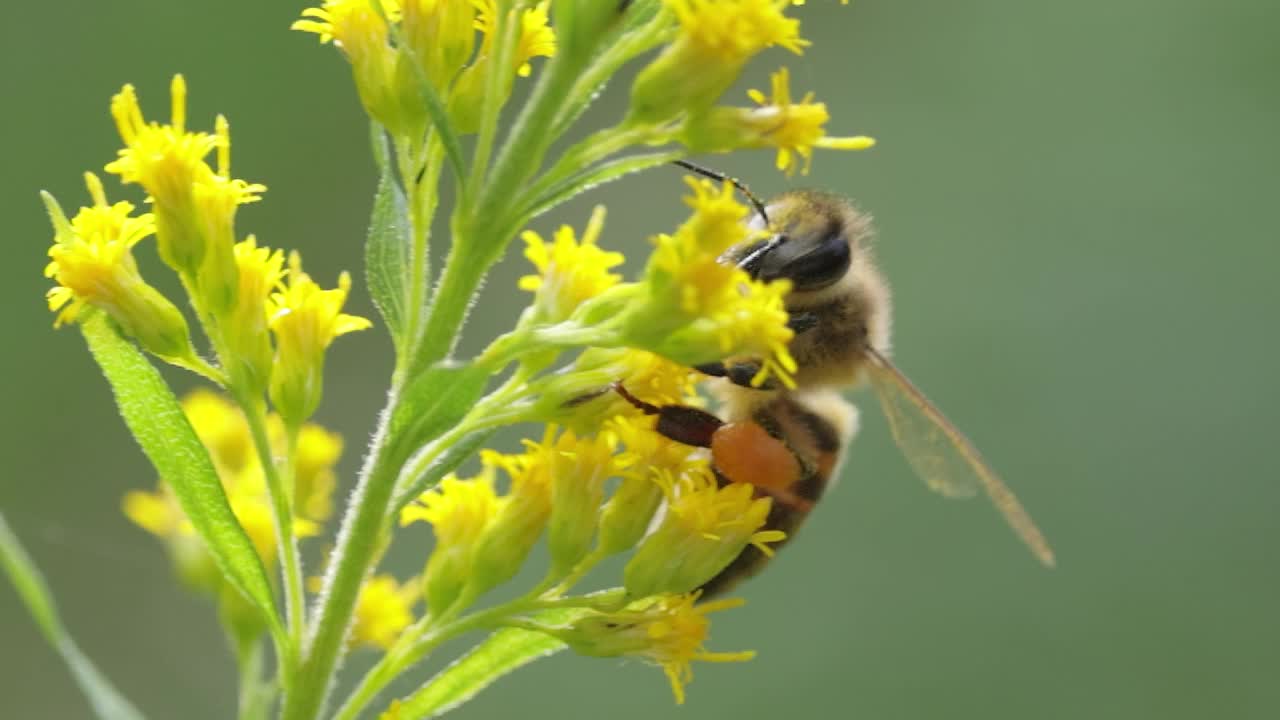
(579, 469)
(705, 528)
(520, 520)
(459, 512)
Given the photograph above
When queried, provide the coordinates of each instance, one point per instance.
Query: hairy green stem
(495, 95)
(403, 656)
(357, 546)
(282, 515)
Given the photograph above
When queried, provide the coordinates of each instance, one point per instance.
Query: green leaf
(448, 461)
(106, 701)
(434, 402)
(386, 255)
(158, 424)
(499, 654)
(593, 176)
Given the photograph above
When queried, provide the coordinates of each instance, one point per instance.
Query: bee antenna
(717, 175)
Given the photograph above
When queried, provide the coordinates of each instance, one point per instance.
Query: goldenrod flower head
(716, 39)
(536, 39)
(364, 37)
(647, 457)
(522, 513)
(730, 31)
(569, 272)
(305, 320)
(91, 259)
(442, 35)
(699, 309)
(314, 480)
(669, 631)
(259, 272)
(459, 512)
(579, 468)
(795, 129)
(580, 397)
(168, 161)
(216, 197)
(225, 433)
(384, 609)
(706, 526)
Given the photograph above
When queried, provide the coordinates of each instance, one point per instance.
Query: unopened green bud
(626, 517)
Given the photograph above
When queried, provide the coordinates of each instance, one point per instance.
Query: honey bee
(788, 443)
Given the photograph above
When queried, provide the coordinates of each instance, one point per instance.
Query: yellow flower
(442, 35)
(384, 609)
(581, 397)
(716, 39)
(569, 272)
(364, 37)
(537, 39)
(647, 457)
(190, 199)
(260, 271)
(579, 467)
(731, 31)
(225, 434)
(314, 480)
(305, 320)
(522, 513)
(706, 526)
(669, 631)
(793, 128)
(91, 259)
(459, 511)
(698, 309)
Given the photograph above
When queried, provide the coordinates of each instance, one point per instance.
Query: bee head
(813, 244)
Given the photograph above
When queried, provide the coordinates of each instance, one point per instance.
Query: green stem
(606, 65)
(405, 655)
(357, 545)
(458, 283)
(482, 417)
(423, 201)
(497, 88)
(527, 143)
(282, 514)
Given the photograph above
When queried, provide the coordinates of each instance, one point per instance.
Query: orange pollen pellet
(745, 453)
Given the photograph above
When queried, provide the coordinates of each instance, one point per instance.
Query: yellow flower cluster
(601, 482)
(559, 486)
(237, 288)
(391, 51)
(569, 272)
(696, 308)
(222, 428)
(666, 630)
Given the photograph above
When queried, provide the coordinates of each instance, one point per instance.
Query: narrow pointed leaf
(160, 427)
(448, 461)
(434, 402)
(503, 652)
(106, 701)
(386, 255)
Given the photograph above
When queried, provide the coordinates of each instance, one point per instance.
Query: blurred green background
(1076, 205)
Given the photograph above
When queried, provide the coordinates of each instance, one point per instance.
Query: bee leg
(739, 373)
(684, 424)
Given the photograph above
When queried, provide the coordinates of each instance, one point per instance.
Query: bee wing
(942, 456)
